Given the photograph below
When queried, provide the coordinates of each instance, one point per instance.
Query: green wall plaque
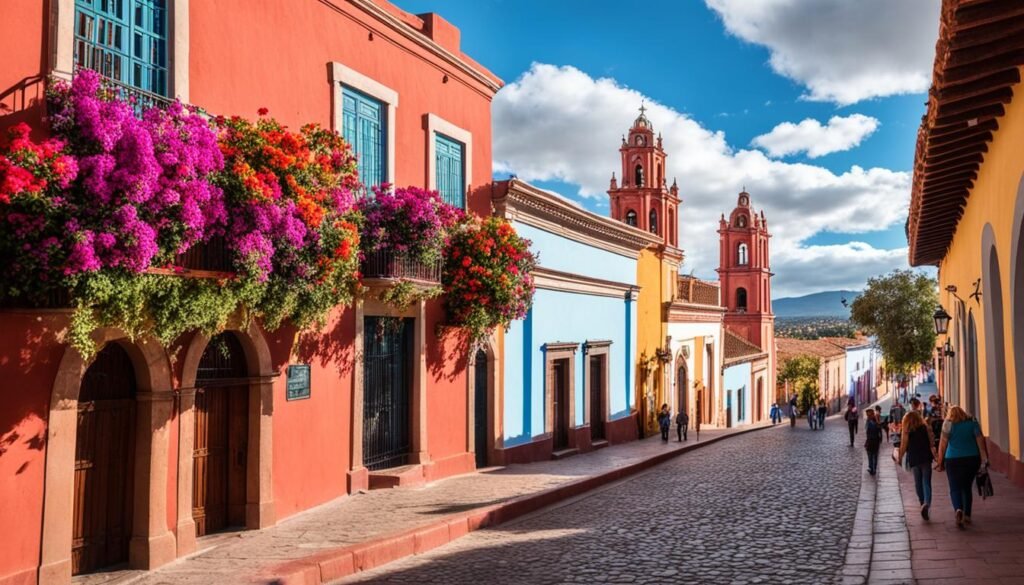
(298, 382)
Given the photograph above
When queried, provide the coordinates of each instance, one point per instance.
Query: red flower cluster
(487, 276)
(28, 168)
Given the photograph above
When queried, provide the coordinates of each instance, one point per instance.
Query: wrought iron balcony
(111, 65)
(388, 265)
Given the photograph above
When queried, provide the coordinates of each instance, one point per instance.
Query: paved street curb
(330, 565)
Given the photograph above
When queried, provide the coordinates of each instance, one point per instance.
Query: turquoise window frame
(364, 127)
(450, 170)
(125, 40)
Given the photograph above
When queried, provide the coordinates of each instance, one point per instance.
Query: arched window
(741, 299)
(995, 363)
(653, 222)
(631, 218)
(638, 176)
(741, 255)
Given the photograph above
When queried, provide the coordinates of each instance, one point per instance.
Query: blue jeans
(872, 461)
(923, 482)
(960, 471)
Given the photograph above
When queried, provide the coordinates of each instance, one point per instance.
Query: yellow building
(967, 217)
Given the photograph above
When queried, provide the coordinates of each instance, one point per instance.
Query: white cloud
(844, 51)
(841, 133)
(558, 123)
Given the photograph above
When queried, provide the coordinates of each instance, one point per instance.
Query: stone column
(152, 544)
(186, 527)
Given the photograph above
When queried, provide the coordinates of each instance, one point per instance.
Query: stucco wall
(736, 381)
(994, 202)
(560, 316)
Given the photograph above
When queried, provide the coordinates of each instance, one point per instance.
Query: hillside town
(271, 314)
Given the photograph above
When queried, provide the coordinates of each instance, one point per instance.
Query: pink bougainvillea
(408, 221)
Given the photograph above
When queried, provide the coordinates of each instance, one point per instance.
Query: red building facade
(211, 437)
(643, 200)
(745, 275)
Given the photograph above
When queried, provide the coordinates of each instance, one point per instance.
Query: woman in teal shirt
(962, 452)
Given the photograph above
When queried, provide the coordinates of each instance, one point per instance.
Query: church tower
(643, 199)
(745, 275)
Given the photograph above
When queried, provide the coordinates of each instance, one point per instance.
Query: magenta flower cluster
(409, 221)
(143, 193)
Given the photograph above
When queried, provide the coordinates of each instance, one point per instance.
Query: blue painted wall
(559, 316)
(737, 382)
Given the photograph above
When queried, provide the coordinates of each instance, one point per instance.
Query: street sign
(298, 382)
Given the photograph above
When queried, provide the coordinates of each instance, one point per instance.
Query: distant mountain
(823, 304)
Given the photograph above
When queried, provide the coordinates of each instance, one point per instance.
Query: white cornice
(525, 203)
(545, 278)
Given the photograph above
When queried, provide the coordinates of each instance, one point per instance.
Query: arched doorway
(995, 349)
(682, 388)
(971, 363)
(104, 456)
(1017, 308)
(480, 420)
(220, 448)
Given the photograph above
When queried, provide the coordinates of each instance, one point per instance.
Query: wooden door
(104, 463)
(560, 396)
(682, 388)
(220, 449)
(597, 406)
(480, 422)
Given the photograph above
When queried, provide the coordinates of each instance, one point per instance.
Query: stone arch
(971, 393)
(1017, 308)
(152, 544)
(631, 217)
(259, 507)
(995, 347)
(742, 254)
(638, 175)
(490, 350)
(741, 299)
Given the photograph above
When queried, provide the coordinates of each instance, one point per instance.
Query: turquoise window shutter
(363, 128)
(450, 170)
(125, 40)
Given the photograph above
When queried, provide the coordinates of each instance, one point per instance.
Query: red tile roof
(977, 56)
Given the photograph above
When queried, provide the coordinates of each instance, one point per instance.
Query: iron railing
(108, 64)
(213, 255)
(386, 264)
(386, 397)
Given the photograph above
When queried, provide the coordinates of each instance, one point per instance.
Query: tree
(802, 373)
(898, 309)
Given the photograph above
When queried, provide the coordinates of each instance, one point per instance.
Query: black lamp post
(941, 320)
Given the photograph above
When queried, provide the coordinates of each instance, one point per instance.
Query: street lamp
(941, 320)
(949, 349)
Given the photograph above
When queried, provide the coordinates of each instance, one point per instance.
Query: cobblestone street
(774, 506)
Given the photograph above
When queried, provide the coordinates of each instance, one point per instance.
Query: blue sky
(736, 67)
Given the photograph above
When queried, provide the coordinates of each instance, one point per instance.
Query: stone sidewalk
(313, 536)
(990, 551)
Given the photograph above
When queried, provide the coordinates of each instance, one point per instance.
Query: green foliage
(407, 292)
(897, 308)
(802, 373)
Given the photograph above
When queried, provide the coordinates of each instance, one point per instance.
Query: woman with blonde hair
(917, 445)
(962, 452)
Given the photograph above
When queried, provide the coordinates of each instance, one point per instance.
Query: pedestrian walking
(682, 421)
(792, 412)
(664, 421)
(822, 412)
(962, 451)
(812, 416)
(896, 412)
(872, 439)
(850, 416)
(883, 420)
(919, 449)
(775, 413)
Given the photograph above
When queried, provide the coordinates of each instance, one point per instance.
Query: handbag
(984, 483)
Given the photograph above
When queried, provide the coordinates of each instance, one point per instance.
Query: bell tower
(745, 275)
(643, 200)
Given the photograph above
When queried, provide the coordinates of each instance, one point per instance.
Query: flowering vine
(487, 276)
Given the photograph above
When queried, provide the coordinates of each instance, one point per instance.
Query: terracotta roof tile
(737, 347)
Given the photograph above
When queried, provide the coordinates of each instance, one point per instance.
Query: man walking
(682, 421)
(851, 415)
(822, 411)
